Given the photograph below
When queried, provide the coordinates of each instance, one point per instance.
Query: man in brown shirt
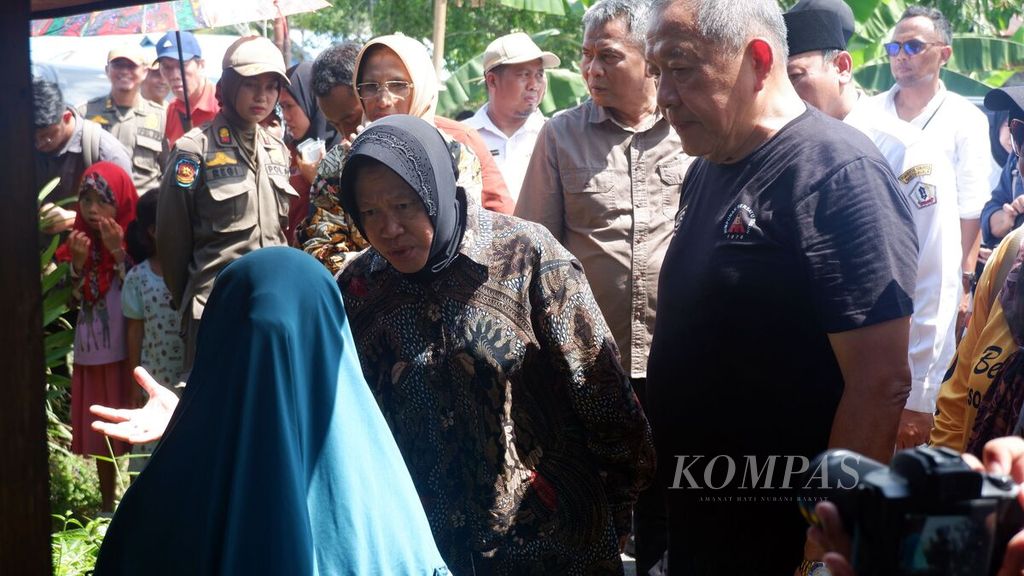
(605, 178)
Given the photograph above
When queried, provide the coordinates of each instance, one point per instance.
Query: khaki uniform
(140, 129)
(215, 206)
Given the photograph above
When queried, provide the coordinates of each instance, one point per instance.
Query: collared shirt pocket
(233, 206)
(671, 173)
(146, 152)
(285, 194)
(590, 196)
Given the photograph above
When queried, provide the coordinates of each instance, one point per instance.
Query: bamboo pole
(440, 15)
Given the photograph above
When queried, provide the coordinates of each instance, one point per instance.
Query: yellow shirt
(985, 346)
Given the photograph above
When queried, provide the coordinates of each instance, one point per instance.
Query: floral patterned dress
(502, 385)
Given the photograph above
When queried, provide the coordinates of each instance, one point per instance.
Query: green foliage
(74, 487)
(76, 545)
(469, 28)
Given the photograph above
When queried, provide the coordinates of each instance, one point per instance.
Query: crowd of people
(375, 340)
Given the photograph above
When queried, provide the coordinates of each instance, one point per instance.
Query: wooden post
(440, 15)
(24, 489)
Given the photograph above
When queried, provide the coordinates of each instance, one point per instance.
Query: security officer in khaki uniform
(225, 191)
(136, 122)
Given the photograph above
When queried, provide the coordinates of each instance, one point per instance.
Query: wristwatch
(811, 568)
(968, 281)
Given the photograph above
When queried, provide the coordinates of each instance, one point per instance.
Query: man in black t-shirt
(784, 300)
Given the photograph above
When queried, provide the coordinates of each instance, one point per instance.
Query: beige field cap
(516, 48)
(133, 53)
(255, 55)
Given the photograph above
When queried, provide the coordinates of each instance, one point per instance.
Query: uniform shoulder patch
(186, 171)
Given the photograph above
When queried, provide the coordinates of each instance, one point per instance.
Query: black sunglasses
(1016, 135)
(910, 47)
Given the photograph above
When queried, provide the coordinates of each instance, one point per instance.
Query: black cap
(808, 30)
(840, 8)
(1011, 99)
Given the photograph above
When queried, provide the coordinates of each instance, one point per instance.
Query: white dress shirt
(930, 187)
(511, 153)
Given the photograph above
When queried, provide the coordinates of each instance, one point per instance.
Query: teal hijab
(277, 460)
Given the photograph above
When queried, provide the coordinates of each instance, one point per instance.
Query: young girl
(106, 204)
(151, 325)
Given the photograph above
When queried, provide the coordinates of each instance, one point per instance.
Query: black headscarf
(301, 77)
(415, 151)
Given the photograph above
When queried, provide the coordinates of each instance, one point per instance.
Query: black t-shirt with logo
(809, 235)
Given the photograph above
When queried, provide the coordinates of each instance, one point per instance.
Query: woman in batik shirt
(493, 366)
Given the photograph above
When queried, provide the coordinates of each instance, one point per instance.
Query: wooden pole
(440, 15)
(24, 489)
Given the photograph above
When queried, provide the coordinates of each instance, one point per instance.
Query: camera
(927, 514)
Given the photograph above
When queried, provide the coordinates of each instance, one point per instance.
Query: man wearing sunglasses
(920, 47)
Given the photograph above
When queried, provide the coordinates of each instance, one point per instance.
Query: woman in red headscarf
(96, 251)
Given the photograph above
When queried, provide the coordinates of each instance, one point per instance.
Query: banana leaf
(877, 77)
(985, 53)
(556, 7)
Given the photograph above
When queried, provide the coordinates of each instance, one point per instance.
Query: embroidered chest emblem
(739, 222)
(224, 136)
(920, 193)
(220, 159)
(923, 195)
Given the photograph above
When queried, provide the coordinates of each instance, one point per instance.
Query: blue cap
(167, 46)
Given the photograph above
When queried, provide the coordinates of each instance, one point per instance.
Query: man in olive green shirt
(135, 121)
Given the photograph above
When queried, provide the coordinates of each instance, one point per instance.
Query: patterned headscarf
(115, 188)
(415, 151)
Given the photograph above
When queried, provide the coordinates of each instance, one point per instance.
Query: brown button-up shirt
(216, 206)
(140, 128)
(609, 193)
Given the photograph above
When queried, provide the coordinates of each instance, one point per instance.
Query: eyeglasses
(396, 88)
(910, 47)
(1017, 135)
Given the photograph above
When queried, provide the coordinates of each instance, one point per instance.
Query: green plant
(76, 545)
(74, 487)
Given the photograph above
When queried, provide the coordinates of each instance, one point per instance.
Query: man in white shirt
(920, 47)
(821, 71)
(510, 121)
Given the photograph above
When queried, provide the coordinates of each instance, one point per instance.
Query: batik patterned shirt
(502, 385)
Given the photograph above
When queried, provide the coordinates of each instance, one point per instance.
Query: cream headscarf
(413, 55)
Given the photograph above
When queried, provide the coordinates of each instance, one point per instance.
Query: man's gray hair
(939, 21)
(635, 13)
(729, 24)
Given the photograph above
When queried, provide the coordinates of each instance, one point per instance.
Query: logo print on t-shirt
(739, 221)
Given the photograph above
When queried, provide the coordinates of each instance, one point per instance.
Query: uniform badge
(923, 195)
(915, 172)
(224, 136)
(185, 172)
(739, 222)
(220, 159)
(152, 122)
(100, 120)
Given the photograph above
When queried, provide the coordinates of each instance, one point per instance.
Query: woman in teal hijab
(277, 459)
